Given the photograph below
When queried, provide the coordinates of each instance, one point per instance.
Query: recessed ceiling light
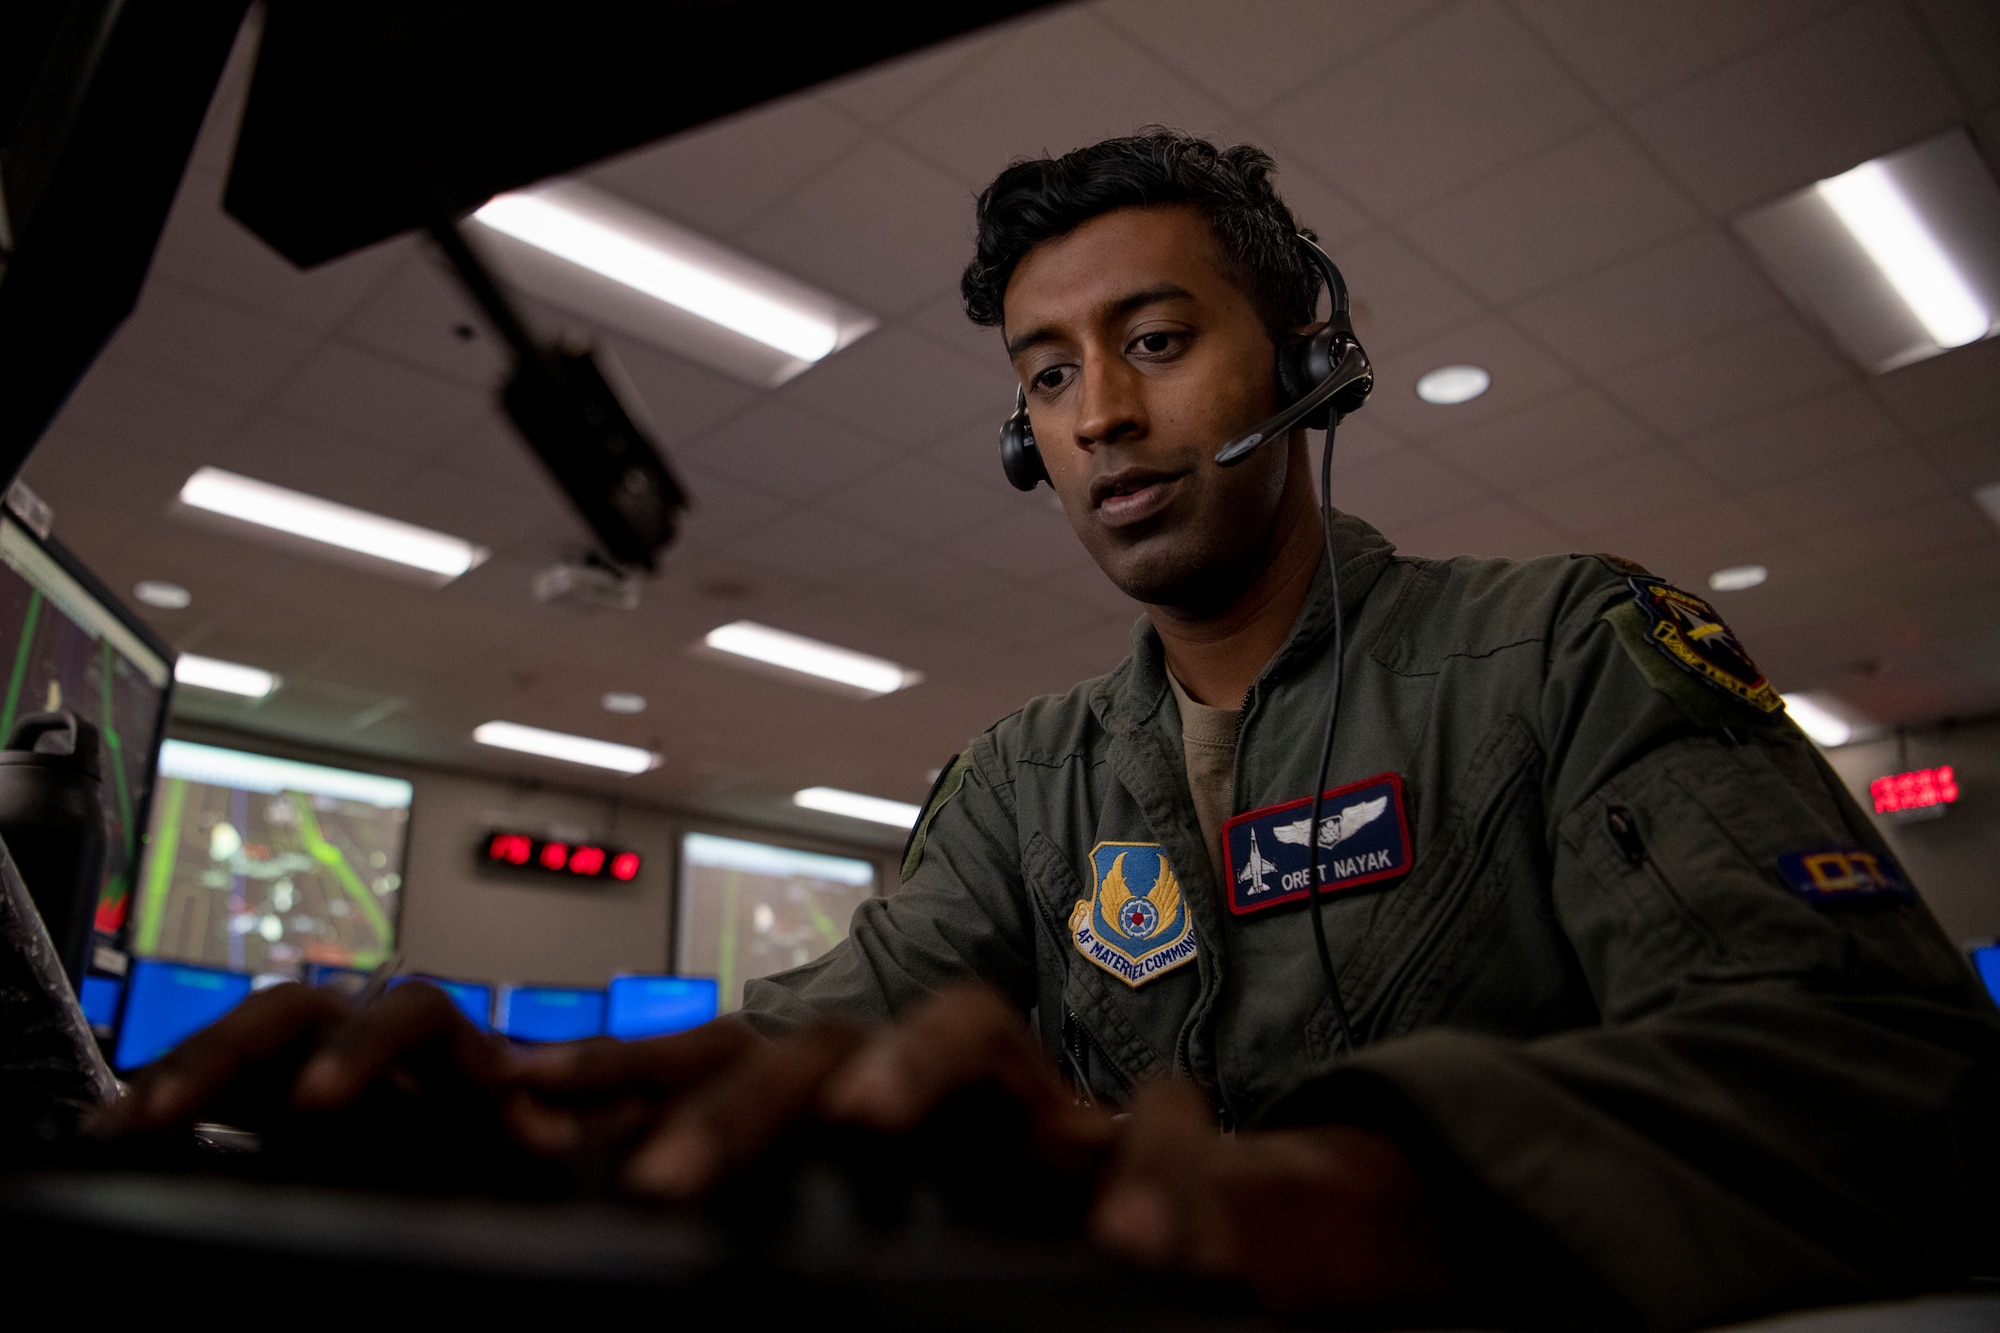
(307, 516)
(1736, 578)
(166, 596)
(644, 254)
(560, 745)
(210, 673)
(1988, 497)
(1899, 257)
(875, 809)
(1817, 721)
(854, 672)
(620, 701)
(1448, 386)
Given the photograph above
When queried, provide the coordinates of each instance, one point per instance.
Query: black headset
(1320, 379)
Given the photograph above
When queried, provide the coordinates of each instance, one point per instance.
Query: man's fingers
(1152, 1207)
(656, 1064)
(410, 1017)
(960, 1037)
(737, 1115)
(179, 1087)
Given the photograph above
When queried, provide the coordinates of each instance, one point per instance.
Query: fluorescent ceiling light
(623, 701)
(875, 809)
(1738, 577)
(336, 525)
(570, 749)
(641, 254)
(1816, 721)
(210, 673)
(1899, 258)
(1988, 497)
(1878, 215)
(865, 675)
(1448, 386)
(166, 596)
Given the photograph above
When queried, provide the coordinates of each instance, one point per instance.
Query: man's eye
(1155, 343)
(1050, 379)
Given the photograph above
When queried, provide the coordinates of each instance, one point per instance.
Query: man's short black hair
(1039, 200)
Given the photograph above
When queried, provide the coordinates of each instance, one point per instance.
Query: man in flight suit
(1646, 1024)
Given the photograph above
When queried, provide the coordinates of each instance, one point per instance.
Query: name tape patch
(1135, 922)
(1363, 837)
(1839, 874)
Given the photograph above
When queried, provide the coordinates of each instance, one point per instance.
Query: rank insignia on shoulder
(1363, 837)
(1692, 636)
(1841, 873)
(1135, 922)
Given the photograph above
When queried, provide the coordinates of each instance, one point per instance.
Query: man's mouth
(1132, 495)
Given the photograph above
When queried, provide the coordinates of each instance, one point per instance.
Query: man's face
(1141, 359)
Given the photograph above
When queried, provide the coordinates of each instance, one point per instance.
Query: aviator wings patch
(1363, 838)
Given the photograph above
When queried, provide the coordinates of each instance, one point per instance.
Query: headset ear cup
(1020, 455)
(1303, 365)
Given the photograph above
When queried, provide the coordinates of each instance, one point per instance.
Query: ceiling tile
(1641, 307)
(880, 93)
(1749, 369)
(1952, 521)
(1031, 545)
(1522, 373)
(1570, 210)
(816, 548)
(904, 389)
(1361, 440)
(408, 411)
(1061, 81)
(724, 174)
(1685, 543)
(179, 334)
(1402, 490)
(1629, 52)
(1483, 530)
(135, 407)
(1251, 51)
(883, 229)
(1967, 456)
(1316, 206)
(678, 399)
(281, 449)
(1886, 479)
(943, 320)
(1846, 89)
(1796, 440)
(1600, 503)
(1398, 297)
(789, 453)
(1959, 387)
(419, 315)
(1968, 35)
(1441, 104)
(722, 508)
(1569, 433)
(918, 502)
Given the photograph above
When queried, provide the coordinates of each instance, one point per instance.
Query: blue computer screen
(654, 1006)
(1987, 960)
(550, 1013)
(169, 1003)
(100, 1001)
(473, 1000)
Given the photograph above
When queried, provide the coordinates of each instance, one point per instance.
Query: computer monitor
(99, 999)
(640, 1006)
(170, 1002)
(261, 864)
(1986, 961)
(748, 909)
(74, 645)
(549, 1013)
(474, 999)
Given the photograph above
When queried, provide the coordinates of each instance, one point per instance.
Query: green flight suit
(1594, 994)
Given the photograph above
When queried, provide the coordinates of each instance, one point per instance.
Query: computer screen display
(474, 999)
(99, 1001)
(654, 1006)
(261, 864)
(72, 645)
(170, 1002)
(1986, 959)
(549, 1013)
(748, 909)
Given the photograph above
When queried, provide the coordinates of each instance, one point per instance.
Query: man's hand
(1329, 1218)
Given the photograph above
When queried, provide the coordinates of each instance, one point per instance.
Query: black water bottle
(52, 818)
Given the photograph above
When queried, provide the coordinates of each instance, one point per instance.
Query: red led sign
(580, 859)
(1918, 789)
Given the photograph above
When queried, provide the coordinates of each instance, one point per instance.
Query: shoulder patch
(1842, 873)
(1629, 568)
(1688, 632)
(947, 785)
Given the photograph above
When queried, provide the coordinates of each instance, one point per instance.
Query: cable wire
(1314, 888)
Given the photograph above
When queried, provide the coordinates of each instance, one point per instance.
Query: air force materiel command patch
(1693, 637)
(1842, 873)
(1363, 838)
(1135, 923)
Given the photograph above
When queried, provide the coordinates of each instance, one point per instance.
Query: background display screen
(73, 649)
(170, 1002)
(260, 864)
(749, 909)
(473, 999)
(549, 1013)
(1987, 961)
(655, 1006)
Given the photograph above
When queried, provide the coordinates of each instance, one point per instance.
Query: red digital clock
(581, 860)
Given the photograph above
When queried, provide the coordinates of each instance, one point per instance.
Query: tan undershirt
(1208, 738)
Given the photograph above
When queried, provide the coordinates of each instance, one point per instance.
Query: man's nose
(1114, 407)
